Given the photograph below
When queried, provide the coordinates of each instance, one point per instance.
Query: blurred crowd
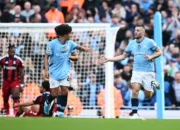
(124, 13)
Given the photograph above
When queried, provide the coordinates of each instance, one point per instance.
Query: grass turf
(86, 124)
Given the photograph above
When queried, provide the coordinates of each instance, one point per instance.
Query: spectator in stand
(167, 83)
(132, 13)
(126, 73)
(129, 35)
(175, 91)
(17, 13)
(172, 68)
(120, 34)
(120, 83)
(54, 15)
(77, 3)
(90, 12)
(118, 101)
(12, 4)
(79, 19)
(119, 9)
(75, 13)
(27, 12)
(170, 6)
(159, 5)
(92, 89)
(37, 10)
(6, 17)
(145, 4)
(104, 9)
(101, 19)
(175, 24)
(90, 4)
(90, 19)
(37, 18)
(176, 39)
(67, 5)
(115, 20)
(128, 3)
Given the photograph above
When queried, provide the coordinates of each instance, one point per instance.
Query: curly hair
(63, 29)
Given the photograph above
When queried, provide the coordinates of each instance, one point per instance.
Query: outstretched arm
(113, 59)
(81, 48)
(24, 104)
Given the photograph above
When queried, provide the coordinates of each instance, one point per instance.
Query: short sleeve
(21, 63)
(153, 45)
(49, 49)
(37, 100)
(128, 49)
(1, 61)
(73, 47)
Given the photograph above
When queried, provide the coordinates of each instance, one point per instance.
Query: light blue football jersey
(138, 50)
(59, 63)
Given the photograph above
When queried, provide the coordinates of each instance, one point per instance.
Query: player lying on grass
(36, 107)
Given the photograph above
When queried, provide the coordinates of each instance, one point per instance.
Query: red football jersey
(11, 67)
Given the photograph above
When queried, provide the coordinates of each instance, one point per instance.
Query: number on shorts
(68, 79)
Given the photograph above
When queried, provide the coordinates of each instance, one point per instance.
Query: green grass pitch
(86, 124)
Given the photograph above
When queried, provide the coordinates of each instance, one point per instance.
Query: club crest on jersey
(139, 46)
(64, 48)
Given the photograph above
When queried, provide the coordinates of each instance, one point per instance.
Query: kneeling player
(36, 106)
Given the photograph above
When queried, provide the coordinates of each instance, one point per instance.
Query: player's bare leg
(51, 97)
(62, 101)
(28, 111)
(16, 96)
(134, 100)
(35, 108)
(148, 94)
(22, 110)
